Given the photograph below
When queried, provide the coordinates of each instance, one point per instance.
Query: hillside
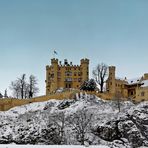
(85, 120)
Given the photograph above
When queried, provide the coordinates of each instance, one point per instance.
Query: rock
(130, 131)
(108, 131)
(120, 144)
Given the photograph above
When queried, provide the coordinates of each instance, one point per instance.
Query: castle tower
(54, 66)
(111, 79)
(51, 76)
(84, 69)
(146, 76)
(65, 75)
(47, 81)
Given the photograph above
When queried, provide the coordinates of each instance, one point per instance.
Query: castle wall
(141, 94)
(135, 92)
(6, 104)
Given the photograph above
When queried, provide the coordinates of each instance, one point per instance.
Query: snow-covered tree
(81, 124)
(59, 121)
(89, 85)
(118, 99)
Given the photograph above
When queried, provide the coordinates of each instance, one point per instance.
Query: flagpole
(53, 55)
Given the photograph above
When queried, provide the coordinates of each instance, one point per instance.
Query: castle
(65, 75)
(135, 89)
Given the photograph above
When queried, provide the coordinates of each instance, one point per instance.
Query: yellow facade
(136, 89)
(65, 75)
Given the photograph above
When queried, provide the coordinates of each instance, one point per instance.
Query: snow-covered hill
(85, 120)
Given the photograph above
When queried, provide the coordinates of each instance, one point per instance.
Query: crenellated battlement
(54, 61)
(85, 61)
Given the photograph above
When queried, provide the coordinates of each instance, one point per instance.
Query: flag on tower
(55, 52)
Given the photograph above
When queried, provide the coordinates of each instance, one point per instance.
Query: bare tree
(81, 124)
(59, 120)
(100, 73)
(15, 87)
(118, 98)
(26, 90)
(5, 94)
(33, 89)
(22, 89)
(22, 82)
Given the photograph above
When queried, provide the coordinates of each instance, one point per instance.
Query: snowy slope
(53, 146)
(31, 124)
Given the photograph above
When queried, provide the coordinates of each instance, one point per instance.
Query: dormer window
(142, 94)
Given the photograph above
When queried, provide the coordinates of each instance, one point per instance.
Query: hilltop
(85, 120)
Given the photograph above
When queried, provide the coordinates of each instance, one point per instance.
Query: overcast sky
(111, 31)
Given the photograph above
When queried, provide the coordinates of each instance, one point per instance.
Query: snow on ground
(50, 146)
(28, 121)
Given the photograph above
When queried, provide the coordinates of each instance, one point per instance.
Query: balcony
(68, 80)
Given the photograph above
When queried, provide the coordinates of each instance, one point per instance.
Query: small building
(65, 75)
(135, 89)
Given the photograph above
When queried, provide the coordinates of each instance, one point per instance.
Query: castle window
(59, 74)
(68, 79)
(79, 73)
(79, 80)
(75, 74)
(52, 75)
(142, 93)
(66, 86)
(75, 79)
(110, 83)
(68, 73)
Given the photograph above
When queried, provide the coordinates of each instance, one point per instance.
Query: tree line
(21, 88)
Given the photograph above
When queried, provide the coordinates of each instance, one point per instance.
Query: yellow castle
(135, 89)
(65, 75)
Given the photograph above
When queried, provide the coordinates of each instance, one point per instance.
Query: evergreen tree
(89, 85)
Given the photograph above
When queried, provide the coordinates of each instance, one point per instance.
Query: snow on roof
(133, 81)
(145, 83)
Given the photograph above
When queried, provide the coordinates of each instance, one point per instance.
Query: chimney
(65, 62)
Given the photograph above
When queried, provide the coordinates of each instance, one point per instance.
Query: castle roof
(134, 81)
(145, 83)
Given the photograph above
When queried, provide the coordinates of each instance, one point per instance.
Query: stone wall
(6, 104)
